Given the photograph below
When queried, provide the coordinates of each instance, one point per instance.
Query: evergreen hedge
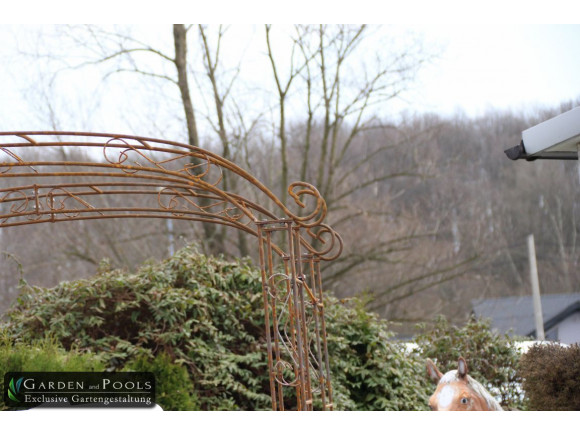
(205, 315)
(42, 356)
(197, 323)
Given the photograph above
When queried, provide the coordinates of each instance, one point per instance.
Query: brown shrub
(551, 377)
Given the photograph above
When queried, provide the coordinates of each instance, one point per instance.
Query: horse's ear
(433, 371)
(462, 367)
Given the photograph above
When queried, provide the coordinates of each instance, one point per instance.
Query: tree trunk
(213, 239)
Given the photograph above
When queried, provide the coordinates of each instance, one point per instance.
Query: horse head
(457, 391)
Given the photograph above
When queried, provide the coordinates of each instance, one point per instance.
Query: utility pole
(169, 224)
(536, 289)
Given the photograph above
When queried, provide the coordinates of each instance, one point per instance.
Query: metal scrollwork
(329, 239)
(60, 205)
(318, 214)
(18, 201)
(176, 199)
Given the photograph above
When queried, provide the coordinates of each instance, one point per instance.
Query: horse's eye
(464, 400)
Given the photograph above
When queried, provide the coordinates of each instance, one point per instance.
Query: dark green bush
(43, 356)
(371, 372)
(551, 375)
(174, 389)
(491, 358)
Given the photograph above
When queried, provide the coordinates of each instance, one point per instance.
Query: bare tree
(339, 143)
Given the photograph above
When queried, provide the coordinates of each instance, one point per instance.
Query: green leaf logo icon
(14, 389)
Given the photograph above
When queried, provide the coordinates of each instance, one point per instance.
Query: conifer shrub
(551, 377)
(45, 355)
(174, 389)
(204, 316)
(370, 370)
(197, 323)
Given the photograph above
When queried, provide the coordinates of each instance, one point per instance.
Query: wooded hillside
(445, 223)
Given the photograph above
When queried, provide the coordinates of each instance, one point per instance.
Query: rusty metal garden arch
(178, 181)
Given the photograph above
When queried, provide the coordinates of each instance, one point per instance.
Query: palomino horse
(457, 391)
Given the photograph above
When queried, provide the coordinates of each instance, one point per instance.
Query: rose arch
(172, 180)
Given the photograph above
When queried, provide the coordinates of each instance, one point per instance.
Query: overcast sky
(507, 66)
(480, 67)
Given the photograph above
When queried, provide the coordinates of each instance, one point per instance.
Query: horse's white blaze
(446, 396)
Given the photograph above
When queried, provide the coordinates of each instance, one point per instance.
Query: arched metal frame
(178, 181)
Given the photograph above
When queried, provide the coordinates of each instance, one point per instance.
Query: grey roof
(516, 314)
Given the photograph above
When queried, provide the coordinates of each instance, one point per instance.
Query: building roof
(515, 315)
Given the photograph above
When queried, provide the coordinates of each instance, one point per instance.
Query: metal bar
(296, 325)
(300, 284)
(323, 334)
(267, 317)
(317, 310)
(274, 295)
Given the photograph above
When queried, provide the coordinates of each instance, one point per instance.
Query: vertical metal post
(317, 311)
(330, 404)
(295, 324)
(302, 322)
(278, 369)
(267, 316)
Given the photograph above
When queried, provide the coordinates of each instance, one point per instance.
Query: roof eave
(519, 153)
